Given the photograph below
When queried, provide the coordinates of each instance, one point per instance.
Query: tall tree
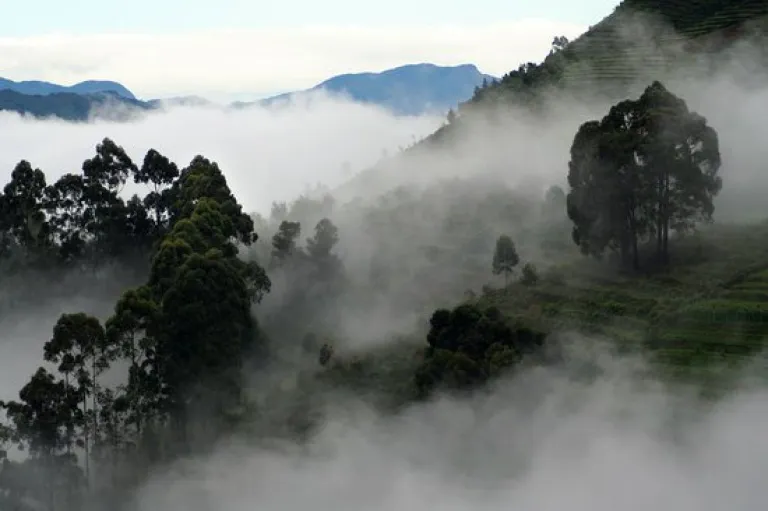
(79, 346)
(42, 419)
(22, 214)
(320, 246)
(159, 172)
(133, 331)
(649, 165)
(203, 178)
(284, 241)
(66, 206)
(104, 176)
(505, 257)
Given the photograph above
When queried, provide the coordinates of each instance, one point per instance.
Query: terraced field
(640, 41)
(705, 318)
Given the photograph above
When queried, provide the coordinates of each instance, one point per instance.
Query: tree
(66, 206)
(320, 251)
(104, 176)
(529, 275)
(79, 346)
(468, 345)
(505, 257)
(158, 171)
(650, 165)
(42, 421)
(22, 214)
(133, 331)
(201, 179)
(284, 241)
(558, 44)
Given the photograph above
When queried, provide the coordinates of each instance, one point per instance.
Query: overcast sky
(242, 48)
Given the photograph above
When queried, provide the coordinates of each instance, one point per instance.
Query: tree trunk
(665, 248)
(86, 426)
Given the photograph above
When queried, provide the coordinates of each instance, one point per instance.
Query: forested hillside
(222, 324)
(640, 40)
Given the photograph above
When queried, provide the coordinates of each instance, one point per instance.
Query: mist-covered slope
(641, 40)
(560, 306)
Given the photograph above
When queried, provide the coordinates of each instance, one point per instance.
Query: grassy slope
(696, 323)
(705, 316)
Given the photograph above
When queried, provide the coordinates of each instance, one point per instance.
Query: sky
(240, 49)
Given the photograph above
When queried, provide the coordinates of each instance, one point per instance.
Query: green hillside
(640, 41)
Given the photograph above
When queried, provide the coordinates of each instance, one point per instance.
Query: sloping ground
(639, 41)
(708, 316)
(699, 17)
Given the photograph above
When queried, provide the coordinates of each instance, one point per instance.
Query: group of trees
(180, 339)
(81, 218)
(647, 168)
(312, 280)
(179, 342)
(469, 345)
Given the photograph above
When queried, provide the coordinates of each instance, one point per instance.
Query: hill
(70, 106)
(406, 90)
(640, 40)
(39, 88)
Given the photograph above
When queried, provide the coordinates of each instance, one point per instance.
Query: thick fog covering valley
(309, 306)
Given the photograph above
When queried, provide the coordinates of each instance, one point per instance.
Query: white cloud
(256, 61)
(546, 441)
(267, 153)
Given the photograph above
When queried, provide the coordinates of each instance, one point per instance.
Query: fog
(416, 232)
(267, 154)
(547, 439)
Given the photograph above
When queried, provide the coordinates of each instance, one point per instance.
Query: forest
(219, 304)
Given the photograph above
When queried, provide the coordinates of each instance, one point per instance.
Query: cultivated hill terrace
(641, 39)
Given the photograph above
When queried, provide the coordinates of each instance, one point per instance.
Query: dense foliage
(183, 336)
(648, 167)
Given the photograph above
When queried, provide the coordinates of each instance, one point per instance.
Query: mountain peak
(410, 89)
(41, 88)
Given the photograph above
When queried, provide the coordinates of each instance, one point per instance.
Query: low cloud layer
(547, 440)
(267, 154)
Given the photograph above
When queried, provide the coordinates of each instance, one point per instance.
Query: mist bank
(546, 438)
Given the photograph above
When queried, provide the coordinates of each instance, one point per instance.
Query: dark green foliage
(648, 167)
(505, 257)
(185, 335)
(468, 345)
(203, 178)
(529, 275)
(284, 241)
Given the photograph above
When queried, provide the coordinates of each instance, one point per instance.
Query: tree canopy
(648, 167)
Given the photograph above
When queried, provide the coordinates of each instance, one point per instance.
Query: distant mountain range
(407, 90)
(37, 88)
